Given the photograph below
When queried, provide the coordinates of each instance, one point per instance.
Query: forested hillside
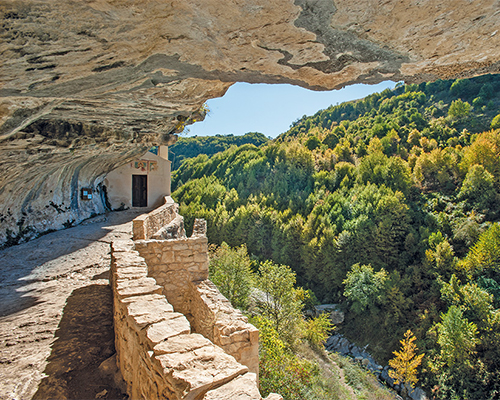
(187, 147)
(390, 207)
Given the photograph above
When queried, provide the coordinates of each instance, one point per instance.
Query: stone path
(56, 312)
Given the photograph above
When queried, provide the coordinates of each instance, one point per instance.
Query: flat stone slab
(124, 245)
(141, 305)
(160, 331)
(128, 259)
(136, 287)
(155, 317)
(243, 387)
(134, 272)
(182, 344)
(194, 372)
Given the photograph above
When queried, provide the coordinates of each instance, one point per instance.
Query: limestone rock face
(88, 85)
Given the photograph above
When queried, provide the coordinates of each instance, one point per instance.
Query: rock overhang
(87, 86)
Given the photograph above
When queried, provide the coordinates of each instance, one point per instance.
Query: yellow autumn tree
(406, 361)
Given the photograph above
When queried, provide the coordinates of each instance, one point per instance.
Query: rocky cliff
(88, 85)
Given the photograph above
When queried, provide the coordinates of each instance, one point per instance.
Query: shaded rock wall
(43, 170)
(87, 86)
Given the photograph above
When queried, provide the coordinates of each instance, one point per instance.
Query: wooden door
(139, 190)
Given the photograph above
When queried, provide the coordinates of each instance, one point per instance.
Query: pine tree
(405, 363)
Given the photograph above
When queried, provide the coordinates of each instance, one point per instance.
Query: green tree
(312, 142)
(459, 109)
(280, 370)
(343, 150)
(475, 302)
(478, 188)
(317, 330)
(436, 170)
(440, 256)
(485, 151)
(484, 257)
(495, 122)
(230, 270)
(279, 300)
(461, 87)
(457, 337)
(363, 286)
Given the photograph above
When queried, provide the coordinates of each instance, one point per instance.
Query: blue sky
(270, 109)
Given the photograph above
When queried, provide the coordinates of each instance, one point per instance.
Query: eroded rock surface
(89, 85)
(56, 313)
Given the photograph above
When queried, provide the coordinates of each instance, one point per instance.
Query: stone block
(122, 245)
(253, 333)
(140, 245)
(163, 330)
(236, 337)
(167, 256)
(142, 305)
(201, 257)
(154, 317)
(135, 287)
(192, 267)
(182, 344)
(134, 272)
(249, 356)
(176, 266)
(128, 259)
(243, 387)
(139, 228)
(200, 241)
(179, 245)
(186, 254)
(193, 373)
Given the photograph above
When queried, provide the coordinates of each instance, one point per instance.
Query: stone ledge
(136, 287)
(175, 325)
(147, 225)
(195, 371)
(243, 387)
(134, 272)
(214, 317)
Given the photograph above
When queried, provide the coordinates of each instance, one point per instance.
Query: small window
(86, 194)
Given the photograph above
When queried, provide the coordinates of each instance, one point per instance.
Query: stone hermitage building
(142, 182)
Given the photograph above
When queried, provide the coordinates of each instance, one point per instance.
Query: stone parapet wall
(175, 264)
(147, 225)
(180, 266)
(158, 354)
(215, 318)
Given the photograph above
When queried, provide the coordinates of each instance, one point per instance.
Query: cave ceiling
(87, 85)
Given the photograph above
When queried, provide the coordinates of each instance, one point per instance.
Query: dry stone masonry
(162, 219)
(176, 336)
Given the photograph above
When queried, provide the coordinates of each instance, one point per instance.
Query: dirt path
(56, 312)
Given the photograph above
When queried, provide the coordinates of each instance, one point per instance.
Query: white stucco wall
(119, 181)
